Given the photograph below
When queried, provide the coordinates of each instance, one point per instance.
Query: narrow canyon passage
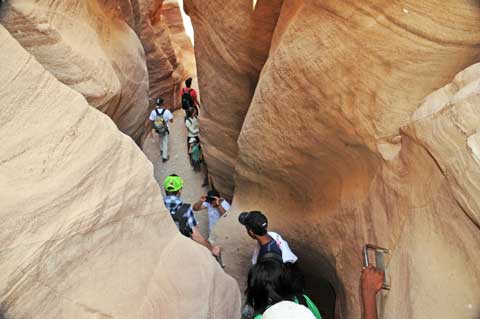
(178, 164)
(345, 122)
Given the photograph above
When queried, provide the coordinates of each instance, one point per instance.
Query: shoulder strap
(163, 111)
(178, 215)
(156, 111)
(302, 300)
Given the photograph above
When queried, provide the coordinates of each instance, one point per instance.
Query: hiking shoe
(164, 160)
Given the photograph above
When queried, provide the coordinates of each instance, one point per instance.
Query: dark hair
(171, 193)
(188, 82)
(213, 193)
(270, 281)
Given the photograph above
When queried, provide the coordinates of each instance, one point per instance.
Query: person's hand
(217, 201)
(372, 280)
(215, 250)
(203, 199)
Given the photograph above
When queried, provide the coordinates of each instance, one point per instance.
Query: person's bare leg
(197, 236)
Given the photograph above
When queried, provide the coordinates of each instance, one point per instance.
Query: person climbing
(256, 224)
(189, 96)
(216, 207)
(182, 213)
(371, 282)
(269, 282)
(159, 120)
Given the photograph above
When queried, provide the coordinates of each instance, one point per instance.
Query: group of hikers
(161, 117)
(275, 285)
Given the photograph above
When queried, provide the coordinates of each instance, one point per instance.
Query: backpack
(187, 100)
(196, 157)
(181, 221)
(159, 123)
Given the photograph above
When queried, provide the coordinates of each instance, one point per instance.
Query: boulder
(84, 230)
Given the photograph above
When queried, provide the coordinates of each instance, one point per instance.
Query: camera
(210, 199)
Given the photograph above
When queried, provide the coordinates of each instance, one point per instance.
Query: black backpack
(181, 221)
(187, 100)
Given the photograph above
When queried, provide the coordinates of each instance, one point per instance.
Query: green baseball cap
(173, 183)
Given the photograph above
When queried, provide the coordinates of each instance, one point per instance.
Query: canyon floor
(179, 164)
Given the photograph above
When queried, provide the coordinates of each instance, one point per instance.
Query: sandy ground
(178, 164)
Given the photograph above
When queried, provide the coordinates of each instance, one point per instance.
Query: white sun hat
(288, 310)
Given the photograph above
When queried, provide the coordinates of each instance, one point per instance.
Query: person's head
(211, 194)
(191, 112)
(255, 222)
(159, 102)
(287, 310)
(267, 284)
(173, 184)
(188, 82)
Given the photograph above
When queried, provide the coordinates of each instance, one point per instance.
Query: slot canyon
(345, 122)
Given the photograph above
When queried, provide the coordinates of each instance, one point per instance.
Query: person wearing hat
(216, 207)
(182, 213)
(159, 118)
(256, 224)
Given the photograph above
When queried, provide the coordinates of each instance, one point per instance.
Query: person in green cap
(182, 213)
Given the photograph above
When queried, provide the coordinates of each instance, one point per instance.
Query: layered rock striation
(341, 147)
(99, 49)
(84, 230)
(232, 40)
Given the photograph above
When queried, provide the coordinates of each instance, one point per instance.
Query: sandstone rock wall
(339, 148)
(94, 47)
(165, 71)
(84, 230)
(232, 40)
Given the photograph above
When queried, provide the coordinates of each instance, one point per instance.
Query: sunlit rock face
(97, 48)
(84, 230)
(165, 71)
(341, 146)
(231, 45)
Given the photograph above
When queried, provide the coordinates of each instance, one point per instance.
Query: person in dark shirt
(256, 224)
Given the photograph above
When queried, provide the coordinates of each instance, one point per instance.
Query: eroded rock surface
(97, 48)
(338, 151)
(84, 230)
(232, 39)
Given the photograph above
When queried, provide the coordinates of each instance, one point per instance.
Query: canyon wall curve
(340, 146)
(85, 231)
(99, 49)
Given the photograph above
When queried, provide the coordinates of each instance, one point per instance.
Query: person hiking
(216, 207)
(182, 213)
(256, 224)
(189, 96)
(191, 123)
(270, 281)
(195, 154)
(159, 120)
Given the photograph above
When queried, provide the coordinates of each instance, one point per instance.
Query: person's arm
(199, 205)
(372, 281)
(197, 236)
(219, 201)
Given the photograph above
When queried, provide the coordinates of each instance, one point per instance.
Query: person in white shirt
(159, 120)
(191, 123)
(215, 205)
